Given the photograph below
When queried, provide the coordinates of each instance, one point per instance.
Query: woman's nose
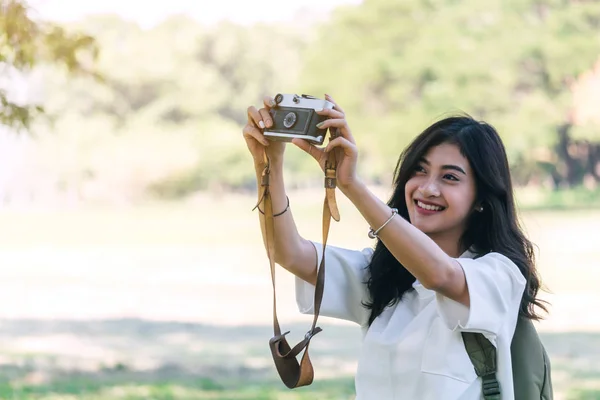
(429, 189)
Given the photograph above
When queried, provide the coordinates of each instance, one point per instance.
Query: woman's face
(440, 195)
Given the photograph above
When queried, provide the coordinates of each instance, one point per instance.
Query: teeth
(428, 207)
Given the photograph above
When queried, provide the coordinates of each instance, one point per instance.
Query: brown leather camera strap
(292, 373)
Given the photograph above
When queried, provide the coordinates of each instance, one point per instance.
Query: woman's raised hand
(258, 120)
(344, 145)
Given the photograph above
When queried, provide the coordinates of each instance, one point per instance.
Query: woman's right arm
(292, 252)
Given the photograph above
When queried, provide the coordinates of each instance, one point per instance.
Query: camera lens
(289, 120)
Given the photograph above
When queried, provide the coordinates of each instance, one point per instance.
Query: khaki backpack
(530, 363)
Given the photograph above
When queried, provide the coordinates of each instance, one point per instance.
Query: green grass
(579, 198)
(75, 282)
(235, 362)
(584, 394)
(331, 390)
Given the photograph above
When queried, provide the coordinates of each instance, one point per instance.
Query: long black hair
(496, 228)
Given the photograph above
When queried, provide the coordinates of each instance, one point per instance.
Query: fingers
(317, 153)
(331, 113)
(314, 151)
(269, 102)
(250, 131)
(333, 123)
(266, 117)
(255, 118)
(260, 118)
(341, 142)
(341, 125)
(337, 120)
(335, 105)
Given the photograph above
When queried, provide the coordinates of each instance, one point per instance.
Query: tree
(399, 65)
(26, 43)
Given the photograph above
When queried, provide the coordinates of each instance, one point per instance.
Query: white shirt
(414, 349)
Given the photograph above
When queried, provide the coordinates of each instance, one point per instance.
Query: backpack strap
(483, 356)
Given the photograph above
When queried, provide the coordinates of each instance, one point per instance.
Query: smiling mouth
(428, 207)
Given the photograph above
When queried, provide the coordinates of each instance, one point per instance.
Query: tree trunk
(594, 160)
(569, 175)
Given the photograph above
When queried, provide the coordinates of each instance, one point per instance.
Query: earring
(479, 209)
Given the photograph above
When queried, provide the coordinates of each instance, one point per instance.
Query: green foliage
(398, 66)
(25, 44)
(167, 118)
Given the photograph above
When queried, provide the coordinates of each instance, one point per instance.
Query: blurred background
(131, 263)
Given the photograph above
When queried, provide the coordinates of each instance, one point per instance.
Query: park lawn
(164, 284)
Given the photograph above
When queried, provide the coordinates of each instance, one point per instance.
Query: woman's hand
(258, 120)
(344, 145)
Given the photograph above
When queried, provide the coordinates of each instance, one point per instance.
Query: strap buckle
(490, 385)
(330, 174)
(264, 180)
(330, 183)
(333, 134)
(312, 332)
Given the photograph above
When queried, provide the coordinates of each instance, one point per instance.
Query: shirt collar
(469, 253)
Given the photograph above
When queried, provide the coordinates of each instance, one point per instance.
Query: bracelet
(373, 234)
(278, 214)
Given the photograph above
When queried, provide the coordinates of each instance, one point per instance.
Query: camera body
(294, 116)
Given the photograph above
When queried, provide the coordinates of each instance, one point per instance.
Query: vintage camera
(294, 116)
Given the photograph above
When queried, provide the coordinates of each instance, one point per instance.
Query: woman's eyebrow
(446, 166)
(454, 168)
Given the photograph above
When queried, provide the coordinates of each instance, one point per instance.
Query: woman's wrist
(260, 164)
(276, 161)
(354, 190)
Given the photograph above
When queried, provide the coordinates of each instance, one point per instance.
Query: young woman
(453, 260)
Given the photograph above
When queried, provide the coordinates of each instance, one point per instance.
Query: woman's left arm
(419, 254)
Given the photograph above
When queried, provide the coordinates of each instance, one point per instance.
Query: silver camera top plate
(302, 101)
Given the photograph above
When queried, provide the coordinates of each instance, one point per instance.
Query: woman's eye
(419, 168)
(451, 177)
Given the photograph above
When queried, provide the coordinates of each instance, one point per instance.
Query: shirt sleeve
(495, 287)
(345, 287)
